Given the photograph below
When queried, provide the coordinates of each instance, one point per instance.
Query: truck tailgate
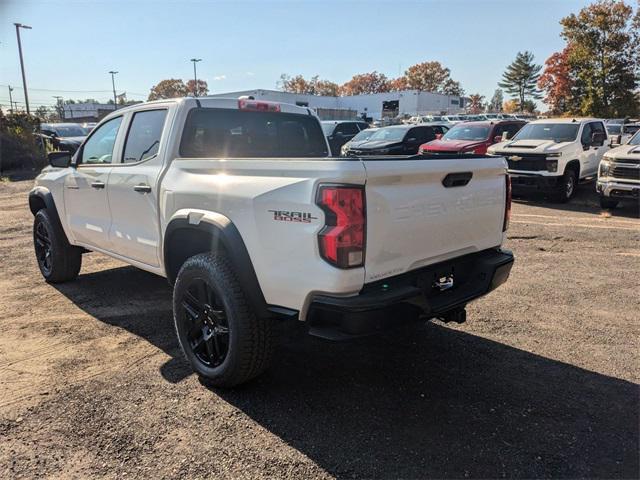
(421, 211)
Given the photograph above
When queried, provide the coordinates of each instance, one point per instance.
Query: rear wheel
(219, 334)
(606, 202)
(57, 259)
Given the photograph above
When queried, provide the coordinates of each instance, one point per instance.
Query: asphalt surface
(542, 380)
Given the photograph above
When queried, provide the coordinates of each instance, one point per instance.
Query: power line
(74, 91)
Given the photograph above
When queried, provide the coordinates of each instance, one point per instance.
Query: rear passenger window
(228, 133)
(347, 129)
(422, 134)
(143, 139)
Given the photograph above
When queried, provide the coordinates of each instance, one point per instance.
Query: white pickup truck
(619, 174)
(553, 155)
(239, 205)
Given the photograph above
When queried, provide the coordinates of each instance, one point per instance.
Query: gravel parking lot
(542, 381)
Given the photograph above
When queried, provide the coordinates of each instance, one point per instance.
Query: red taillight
(342, 240)
(256, 106)
(507, 203)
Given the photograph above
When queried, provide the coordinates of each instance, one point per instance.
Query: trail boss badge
(296, 217)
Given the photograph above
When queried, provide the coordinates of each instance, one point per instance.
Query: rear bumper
(473, 275)
(622, 190)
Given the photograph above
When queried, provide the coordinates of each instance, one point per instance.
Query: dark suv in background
(339, 132)
(399, 139)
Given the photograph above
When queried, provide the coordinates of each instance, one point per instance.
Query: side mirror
(617, 140)
(59, 159)
(438, 136)
(498, 138)
(597, 139)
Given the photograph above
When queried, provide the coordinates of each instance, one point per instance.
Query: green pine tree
(521, 77)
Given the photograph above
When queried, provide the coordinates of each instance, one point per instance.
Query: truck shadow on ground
(424, 402)
(586, 200)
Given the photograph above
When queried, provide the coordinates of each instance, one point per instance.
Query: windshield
(328, 128)
(363, 135)
(558, 132)
(467, 132)
(635, 140)
(389, 134)
(70, 131)
(614, 129)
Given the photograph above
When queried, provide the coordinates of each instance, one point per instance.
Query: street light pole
(113, 84)
(24, 79)
(195, 76)
(10, 99)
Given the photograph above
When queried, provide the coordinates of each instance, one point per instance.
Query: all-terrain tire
(250, 340)
(567, 188)
(606, 202)
(58, 260)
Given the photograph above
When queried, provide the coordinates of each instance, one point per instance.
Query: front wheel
(221, 337)
(567, 188)
(606, 202)
(57, 259)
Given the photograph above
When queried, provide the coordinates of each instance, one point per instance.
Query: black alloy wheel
(205, 322)
(42, 240)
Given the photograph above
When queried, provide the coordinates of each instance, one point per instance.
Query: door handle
(457, 179)
(97, 185)
(142, 188)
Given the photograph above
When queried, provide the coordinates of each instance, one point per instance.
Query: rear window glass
(226, 133)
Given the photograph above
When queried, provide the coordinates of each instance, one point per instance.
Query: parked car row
(621, 130)
(547, 155)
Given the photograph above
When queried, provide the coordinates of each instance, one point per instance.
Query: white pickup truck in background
(619, 174)
(553, 155)
(239, 204)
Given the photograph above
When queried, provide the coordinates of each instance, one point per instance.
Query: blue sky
(245, 45)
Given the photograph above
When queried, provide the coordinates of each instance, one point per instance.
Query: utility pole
(60, 107)
(24, 78)
(113, 84)
(10, 99)
(195, 76)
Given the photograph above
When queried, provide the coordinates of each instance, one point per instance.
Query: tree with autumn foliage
(170, 88)
(556, 83)
(314, 86)
(202, 90)
(373, 82)
(603, 59)
(476, 103)
(432, 77)
(398, 84)
(510, 106)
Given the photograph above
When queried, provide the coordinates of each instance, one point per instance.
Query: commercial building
(86, 111)
(375, 105)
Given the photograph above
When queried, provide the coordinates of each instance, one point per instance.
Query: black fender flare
(222, 233)
(40, 196)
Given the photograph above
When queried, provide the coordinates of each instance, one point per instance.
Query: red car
(472, 137)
